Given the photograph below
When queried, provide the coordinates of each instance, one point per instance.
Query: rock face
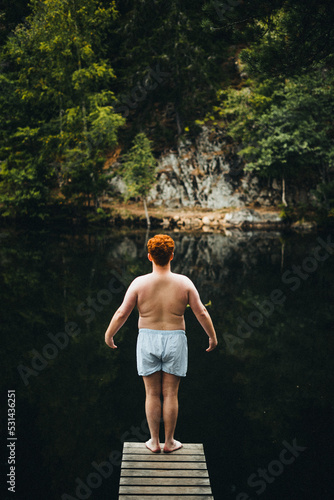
(208, 173)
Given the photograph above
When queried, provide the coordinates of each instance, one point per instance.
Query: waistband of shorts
(162, 332)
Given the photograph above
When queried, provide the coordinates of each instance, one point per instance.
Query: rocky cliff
(208, 173)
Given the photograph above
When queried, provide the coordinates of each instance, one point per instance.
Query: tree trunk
(146, 213)
(283, 192)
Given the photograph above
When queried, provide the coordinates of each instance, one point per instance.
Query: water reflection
(270, 381)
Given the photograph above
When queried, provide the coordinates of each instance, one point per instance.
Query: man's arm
(203, 316)
(121, 315)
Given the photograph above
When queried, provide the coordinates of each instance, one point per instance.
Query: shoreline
(119, 214)
(207, 220)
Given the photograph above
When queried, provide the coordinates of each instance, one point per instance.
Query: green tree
(58, 81)
(280, 110)
(138, 170)
(285, 130)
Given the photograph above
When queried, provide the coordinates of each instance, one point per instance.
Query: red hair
(161, 248)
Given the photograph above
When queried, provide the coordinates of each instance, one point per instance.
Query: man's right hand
(110, 342)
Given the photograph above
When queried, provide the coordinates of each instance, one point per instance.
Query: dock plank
(168, 497)
(140, 448)
(164, 465)
(165, 481)
(164, 473)
(179, 475)
(163, 457)
(172, 490)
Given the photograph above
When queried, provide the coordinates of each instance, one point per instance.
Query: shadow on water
(262, 403)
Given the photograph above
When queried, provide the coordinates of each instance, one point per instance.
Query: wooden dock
(167, 476)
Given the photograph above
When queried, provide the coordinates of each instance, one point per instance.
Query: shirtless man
(161, 298)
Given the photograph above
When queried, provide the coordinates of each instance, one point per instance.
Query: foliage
(294, 39)
(281, 115)
(138, 169)
(285, 127)
(270, 62)
(58, 104)
(169, 36)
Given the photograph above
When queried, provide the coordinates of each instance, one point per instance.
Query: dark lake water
(261, 403)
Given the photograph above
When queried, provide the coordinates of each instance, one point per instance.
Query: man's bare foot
(151, 447)
(175, 446)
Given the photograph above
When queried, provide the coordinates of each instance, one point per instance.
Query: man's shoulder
(183, 278)
(141, 278)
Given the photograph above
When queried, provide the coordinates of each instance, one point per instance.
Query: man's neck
(161, 269)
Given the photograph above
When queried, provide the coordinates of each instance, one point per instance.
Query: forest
(84, 84)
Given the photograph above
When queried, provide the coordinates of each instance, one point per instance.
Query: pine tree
(60, 122)
(138, 170)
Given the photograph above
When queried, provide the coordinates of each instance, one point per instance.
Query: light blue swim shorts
(165, 350)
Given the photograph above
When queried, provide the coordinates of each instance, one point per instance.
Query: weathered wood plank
(169, 497)
(160, 490)
(165, 481)
(148, 453)
(186, 446)
(164, 465)
(163, 457)
(163, 473)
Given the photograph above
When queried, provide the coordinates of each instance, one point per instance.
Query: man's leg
(153, 409)
(170, 387)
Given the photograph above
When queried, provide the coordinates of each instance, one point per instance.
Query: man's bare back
(161, 300)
